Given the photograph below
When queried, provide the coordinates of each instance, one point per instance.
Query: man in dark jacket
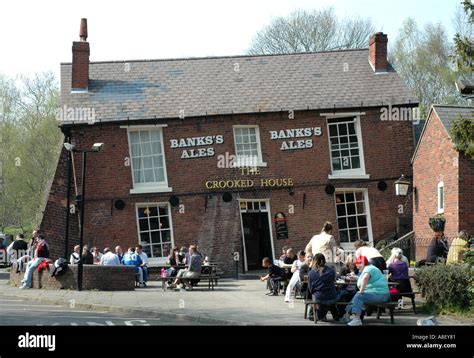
(274, 276)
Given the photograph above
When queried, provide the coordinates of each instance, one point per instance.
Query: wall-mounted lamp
(401, 186)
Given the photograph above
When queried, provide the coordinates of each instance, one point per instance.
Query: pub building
(239, 154)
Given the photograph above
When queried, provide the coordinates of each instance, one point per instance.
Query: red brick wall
(95, 277)
(80, 65)
(436, 160)
(466, 193)
(388, 147)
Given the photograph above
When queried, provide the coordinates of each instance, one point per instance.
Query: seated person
(373, 288)
(97, 255)
(144, 265)
(284, 249)
(274, 276)
(75, 258)
(438, 248)
(296, 277)
(373, 255)
(458, 248)
(193, 271)
(109, 258)
(350, 272)
(87, 258)
(398, 271)
(130, 258)
(289, 258)
(394, 254)
(173, 261)
(321, 281)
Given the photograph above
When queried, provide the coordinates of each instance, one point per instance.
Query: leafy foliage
(447, 286)
(462, 133)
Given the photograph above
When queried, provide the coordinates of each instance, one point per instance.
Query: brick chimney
(378, 52)
(80, 60)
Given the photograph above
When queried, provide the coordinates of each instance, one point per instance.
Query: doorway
(256, 232)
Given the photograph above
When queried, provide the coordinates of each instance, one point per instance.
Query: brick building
(309, 133)
(443, 177)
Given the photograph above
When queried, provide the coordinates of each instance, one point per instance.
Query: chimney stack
(80, 60)
(378, 52)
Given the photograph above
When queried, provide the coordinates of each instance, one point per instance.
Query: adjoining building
(239, 154)
(443, 178)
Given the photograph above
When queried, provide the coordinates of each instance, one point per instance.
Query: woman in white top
(324, 243)
(371, 253)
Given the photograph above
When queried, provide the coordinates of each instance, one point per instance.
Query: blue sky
(37, 35)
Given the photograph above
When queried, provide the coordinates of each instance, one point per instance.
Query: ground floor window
(155, 229)
(353, 217)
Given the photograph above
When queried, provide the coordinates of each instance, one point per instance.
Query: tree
(463, 39)
(29, 146)
(422, 58)
(304, 31)
(462, 133)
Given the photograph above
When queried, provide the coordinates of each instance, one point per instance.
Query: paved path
(234, 302)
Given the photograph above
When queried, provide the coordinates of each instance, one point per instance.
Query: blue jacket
(132, 259)
(321, 285)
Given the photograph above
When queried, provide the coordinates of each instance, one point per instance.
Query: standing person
(438, 249)
(97, 255)
(109, 258)
(119, 253)
(132, 259)
(296, 277)
(144, 265)
(373, 288)
(274, 276)
(458, 248)
(193, 271)
(371, 253)
(75, 256)
(41, 253)
(324, 243)
(321, 281)
(87, 258)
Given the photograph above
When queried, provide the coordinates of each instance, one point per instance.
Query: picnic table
(208, 273)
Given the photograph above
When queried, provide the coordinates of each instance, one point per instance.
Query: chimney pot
(83, 30)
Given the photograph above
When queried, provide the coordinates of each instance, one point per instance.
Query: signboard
(281, 227)
(291, 137)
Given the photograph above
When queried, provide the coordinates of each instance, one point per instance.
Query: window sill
(348, 176)
(155, 189)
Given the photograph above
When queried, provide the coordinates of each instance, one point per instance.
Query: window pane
(361, 220)
(163, 210)
(355, 162)
(141, 213)
(147, 162)
(354, 235)
(136, 152)
(336, 164)
(144, 238)
(144, 224)
(343, 236)
(154, 224)
(360, 208)
(155, 237)
(164, 222)
(359, 195)
(341, 223)
(134, 137)
(351, 128)
(155, 136)
(146, 250)
(166, 236)
(166, 249)
(149, 176)
(159, 174)
(352, 221)
(339, 198)
(353, 139)
(156, 249)
(137, 176)
(156, 148)
(153, 211)
(344, 153)
(354, 152)
(136, 162)
(341, 210)
(351, 209)
(145, 148)
(144, 136)
(333, 130)
(350, 197)
(364, 234)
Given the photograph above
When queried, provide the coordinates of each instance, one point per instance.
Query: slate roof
(239, 84)
(447, 115)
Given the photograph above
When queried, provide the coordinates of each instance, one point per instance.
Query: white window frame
(350, 245)
(141, 188)
(440, 202)
(260, 162)
(153, 261)
(352, 173)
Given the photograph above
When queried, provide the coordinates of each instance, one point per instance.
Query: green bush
(447, 286)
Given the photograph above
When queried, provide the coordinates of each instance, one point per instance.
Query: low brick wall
(95, 277)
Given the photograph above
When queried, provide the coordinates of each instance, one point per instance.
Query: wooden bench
(210, 278)
(411, 295)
